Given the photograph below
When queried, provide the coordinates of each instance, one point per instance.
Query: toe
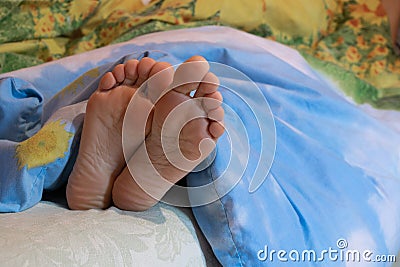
(107, 82)
(196, 58)
(144, 67)
(208, 85)
(131, 71)
(189, 74)
(119, 73)
(161, 76)
(212, 101)
(158, 67)
(216, 114)
(216, 126)
(216, 129)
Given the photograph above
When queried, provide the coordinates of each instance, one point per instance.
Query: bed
(324, 110)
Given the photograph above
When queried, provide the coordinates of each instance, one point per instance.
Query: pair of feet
(101, 176)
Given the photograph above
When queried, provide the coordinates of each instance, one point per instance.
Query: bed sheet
(335, 174)
(348, 39)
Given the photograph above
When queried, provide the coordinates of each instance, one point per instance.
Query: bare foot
(100, 159)
(170, 151)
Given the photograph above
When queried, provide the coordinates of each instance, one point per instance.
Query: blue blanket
(332, 194)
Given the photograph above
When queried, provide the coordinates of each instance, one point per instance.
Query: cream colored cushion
(48, 235)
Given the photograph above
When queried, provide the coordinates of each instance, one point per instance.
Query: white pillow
(48, 235)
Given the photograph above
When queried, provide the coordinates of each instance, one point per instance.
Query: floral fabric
(361, 45)
(347, 39)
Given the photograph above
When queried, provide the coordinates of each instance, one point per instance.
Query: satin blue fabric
(335, 176)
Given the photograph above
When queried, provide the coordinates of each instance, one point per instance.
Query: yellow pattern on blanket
(49, 144)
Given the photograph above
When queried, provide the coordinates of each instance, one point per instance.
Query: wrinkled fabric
(334, 177)
(348, 39)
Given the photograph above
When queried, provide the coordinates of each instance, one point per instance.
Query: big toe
(189, 74)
